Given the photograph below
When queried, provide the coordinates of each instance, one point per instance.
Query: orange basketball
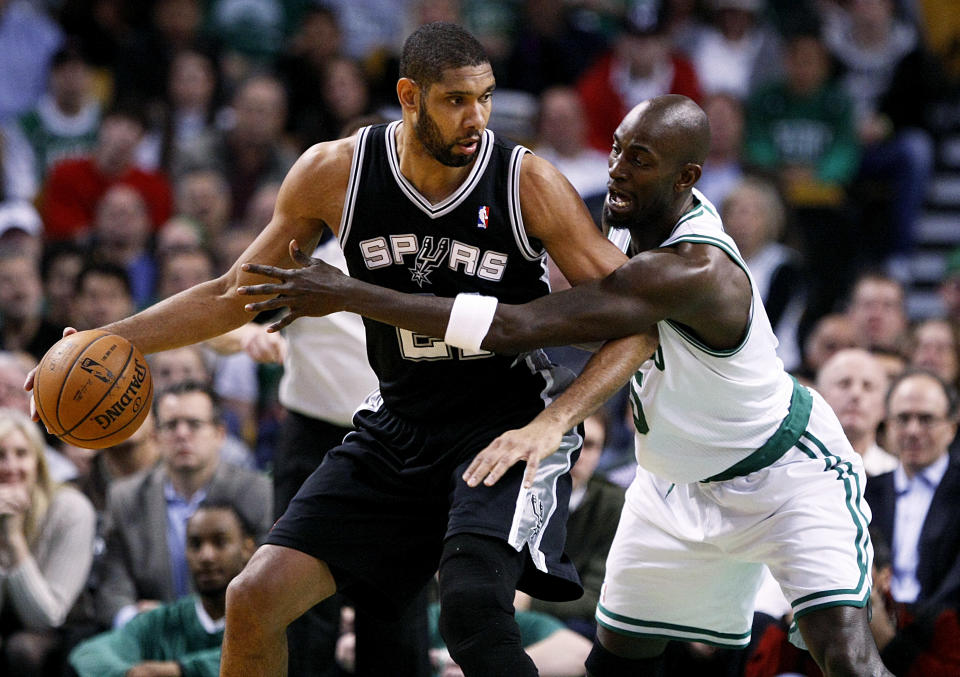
(93, 389)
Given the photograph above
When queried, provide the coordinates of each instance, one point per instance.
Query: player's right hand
(28, 384)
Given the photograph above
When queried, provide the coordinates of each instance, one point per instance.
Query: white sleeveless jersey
(697, 410)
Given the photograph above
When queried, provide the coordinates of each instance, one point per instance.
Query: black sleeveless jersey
(474, 242)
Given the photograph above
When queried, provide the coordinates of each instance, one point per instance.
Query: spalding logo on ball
(93, 389)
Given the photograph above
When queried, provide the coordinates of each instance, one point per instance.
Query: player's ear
(408, 93)
(689, 175)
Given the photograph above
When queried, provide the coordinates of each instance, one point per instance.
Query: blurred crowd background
(143, 143)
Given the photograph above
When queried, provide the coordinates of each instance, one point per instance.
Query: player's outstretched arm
(604, 374)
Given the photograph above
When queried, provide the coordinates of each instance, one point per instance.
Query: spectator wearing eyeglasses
(917, 506)
(144, 563)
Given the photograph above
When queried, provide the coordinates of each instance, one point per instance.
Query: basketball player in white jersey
(739, 465)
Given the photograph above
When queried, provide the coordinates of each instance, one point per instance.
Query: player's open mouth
(469, 146)
(617, 201)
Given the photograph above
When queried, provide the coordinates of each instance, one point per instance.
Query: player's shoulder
(535, 168)
(328, 156)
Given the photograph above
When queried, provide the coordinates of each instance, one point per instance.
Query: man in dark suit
(917, 506)
(144, 562)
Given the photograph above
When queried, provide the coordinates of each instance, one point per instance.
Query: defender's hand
(531, 443)
(314, 288)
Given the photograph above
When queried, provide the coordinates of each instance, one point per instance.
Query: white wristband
(470, 320)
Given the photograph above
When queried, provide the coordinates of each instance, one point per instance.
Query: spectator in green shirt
(183, 638)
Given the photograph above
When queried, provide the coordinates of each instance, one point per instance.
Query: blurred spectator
(893, 82)
(926, 644)
(369, 27)
(60, 265)
(21, 229)
(28, 41)
(916, 507)
(800, 130)
(941, 28)
(144, 562)
(346, 95)
(74, 187)
(316, 42)
(854, 384)
(934, 344)
(252, 151)
(892, 360)
(14, 367)
(723, 168)
(186, 112)
(144, 54)
(549, 49)
(878, 312)
(17, 177)
(103, 295)
(65, 121)
(135, 454)
(46, 547)
(203, 196)
(737, 50)
(182, 268)
(22, 323)
(183, 637)
(250, 35)
(642, 64)
(830, 334)
(177, 234)
(950, 287)
(121, 236)
(595, 506)
(196, 364)
(561, 139)
(754, 215)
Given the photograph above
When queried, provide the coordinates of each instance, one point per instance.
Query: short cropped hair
(187, 387)
(437, 47)
(245, 522)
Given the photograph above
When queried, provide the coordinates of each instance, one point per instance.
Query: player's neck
(434, 181)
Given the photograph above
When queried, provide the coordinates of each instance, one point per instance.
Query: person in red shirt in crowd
(74, 187)
(641, 65)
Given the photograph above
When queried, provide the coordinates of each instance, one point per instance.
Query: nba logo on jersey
(483, 217)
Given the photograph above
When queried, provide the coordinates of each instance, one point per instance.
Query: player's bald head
(678, 124)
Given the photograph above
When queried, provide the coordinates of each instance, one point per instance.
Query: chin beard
(428, 133)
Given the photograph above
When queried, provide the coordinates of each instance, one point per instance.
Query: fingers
(261, 289)
(28, 384)
(490, 464)
(69, 330)
(282, 322)
(268, 271)
(530, 474)
(269, 304)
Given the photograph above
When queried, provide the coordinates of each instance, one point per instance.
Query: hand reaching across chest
(312, 289)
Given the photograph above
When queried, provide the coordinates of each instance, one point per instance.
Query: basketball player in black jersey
(434, 204)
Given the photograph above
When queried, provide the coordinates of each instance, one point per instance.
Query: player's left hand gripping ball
(93, 389)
